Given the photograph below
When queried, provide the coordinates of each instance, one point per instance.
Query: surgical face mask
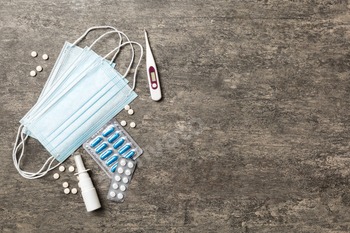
(79, 109)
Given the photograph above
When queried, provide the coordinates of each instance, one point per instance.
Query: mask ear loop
(29, 175)
(129, 42)
(110, 27)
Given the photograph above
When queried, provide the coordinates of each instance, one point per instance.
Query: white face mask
(90, 93)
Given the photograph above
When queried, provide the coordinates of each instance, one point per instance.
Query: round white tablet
(128, 172)
(71, 169)
(115, 186)
(32, 73)
(127, 107)
(74, 190)
(66, 191)
(130, 111)
(61, 168)
(117, 178)
(132, 124)
(112, 194)
(123, 162)
(34, 54)
(120, 170)
(123, 123)
(120, 196)
(56, 176)
(65, 185)
(45, 56)
(130, 165)
(125, 180)
(122, 187)
(39, 68)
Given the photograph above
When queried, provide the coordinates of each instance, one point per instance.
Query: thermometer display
(153, 77)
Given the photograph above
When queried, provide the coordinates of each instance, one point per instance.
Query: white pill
(120, 170)
(34, 54)
(56, 176)
(112, 194)
(123, 162)
(120, 196)
(61, 168)
(115, 186)
(125, 180)
(71, 169)
(128, 172)
(130, 111)
(122, 187)
(65, 185)
(74, 190)
(39, 68)
(45, 56)
(132, 124)
(123, 123)
(66, 191)
(32, 73)
(130, 165)
(117, 178)
(127, 107)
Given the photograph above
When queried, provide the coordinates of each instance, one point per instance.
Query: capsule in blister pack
(121, 180)
(110, 143)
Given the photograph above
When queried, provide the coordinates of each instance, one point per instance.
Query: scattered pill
(45, 56)
(74, 190)
(66, 191)
(65, 185)
(120, 195)
(128, 172)
(122, 188)
(117, 178)
(39, 68)
(127, 107)
(32, 73)
(56, 176)
(34, 54)
(71, 169)
(115, 186)
(120, 170)
(130, 111)
(112, 194)
(61, 168)
(123, 162)
(132, 124)
(123, 123)
(130, 165)
(125, 180)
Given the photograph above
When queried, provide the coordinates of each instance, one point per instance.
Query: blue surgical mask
(87, 98)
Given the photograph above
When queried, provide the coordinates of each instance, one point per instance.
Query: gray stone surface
(266, 81)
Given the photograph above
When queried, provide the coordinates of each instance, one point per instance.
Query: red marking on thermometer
(152, 73)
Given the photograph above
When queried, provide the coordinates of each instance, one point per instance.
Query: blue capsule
(114, 167)
(106, 154)
(96, 142)
(113, 138)
(108, 131)
(118, 143)
(101, 147)
(124, 149)
(111, 160)
(130, 154)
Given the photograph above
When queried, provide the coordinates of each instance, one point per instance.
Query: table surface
(251, 134)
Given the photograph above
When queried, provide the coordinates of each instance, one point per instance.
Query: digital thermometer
(152, 73)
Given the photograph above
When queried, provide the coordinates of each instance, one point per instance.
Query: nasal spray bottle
(88, 190)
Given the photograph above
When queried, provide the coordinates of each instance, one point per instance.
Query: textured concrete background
(266, 81)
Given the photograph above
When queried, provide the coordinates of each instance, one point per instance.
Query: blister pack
(121, 180)
(109, 143)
